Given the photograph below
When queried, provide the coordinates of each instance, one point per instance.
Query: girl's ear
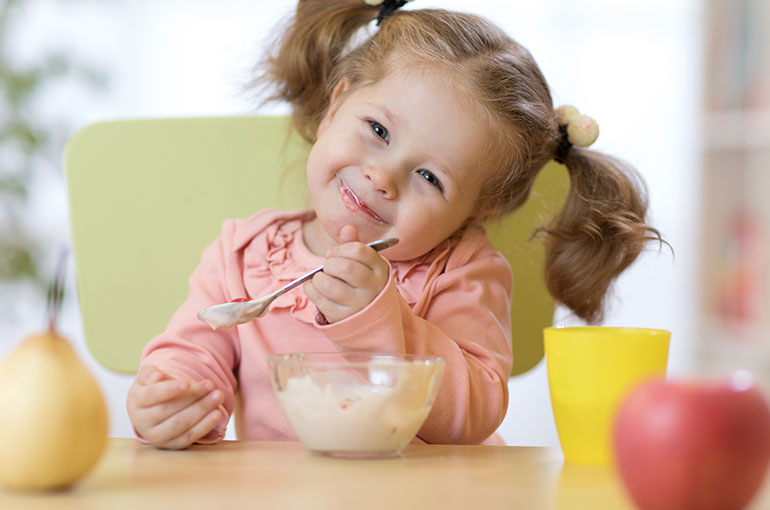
(338, 95)
(339, 91)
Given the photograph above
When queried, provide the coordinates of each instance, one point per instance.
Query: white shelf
(727, 346)
(724, 331)
(735, 150)
(736, 130)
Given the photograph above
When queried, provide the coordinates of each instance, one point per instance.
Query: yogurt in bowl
(352, 404)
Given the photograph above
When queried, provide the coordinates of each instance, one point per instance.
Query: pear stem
(56, 291)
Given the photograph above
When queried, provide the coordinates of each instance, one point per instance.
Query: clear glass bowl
(352, 404)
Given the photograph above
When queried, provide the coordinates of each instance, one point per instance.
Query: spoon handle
(226, 315)
(378, 245)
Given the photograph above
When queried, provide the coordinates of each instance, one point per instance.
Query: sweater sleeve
(189, 349)
(466, 322)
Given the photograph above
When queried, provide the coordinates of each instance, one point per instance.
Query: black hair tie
(564, 145)
(388, 8)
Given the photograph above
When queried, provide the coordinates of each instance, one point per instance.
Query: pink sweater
(453, 302)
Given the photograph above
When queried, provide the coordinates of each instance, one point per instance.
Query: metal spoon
(227, 315)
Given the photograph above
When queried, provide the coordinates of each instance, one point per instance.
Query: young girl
(425, 130)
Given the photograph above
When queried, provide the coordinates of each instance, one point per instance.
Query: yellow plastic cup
(590, 370)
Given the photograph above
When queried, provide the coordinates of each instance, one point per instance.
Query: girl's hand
(352, 277)
(170, 413)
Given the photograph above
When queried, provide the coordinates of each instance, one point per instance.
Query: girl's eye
(380, 130)
(432, 179)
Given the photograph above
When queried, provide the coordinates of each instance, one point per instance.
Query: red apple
(693, 445)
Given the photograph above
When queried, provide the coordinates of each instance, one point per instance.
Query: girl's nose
(383, 178)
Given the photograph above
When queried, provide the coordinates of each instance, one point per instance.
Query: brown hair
(601, 228)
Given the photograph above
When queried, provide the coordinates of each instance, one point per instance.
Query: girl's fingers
(153, 394)
(349, 271)
(333, 311)
(348, 280)
(197, 431)
(318, 298)
(357, 264)
(170, 401)
(359, 252)
(182, 426)
(149, 374)
(332, 288)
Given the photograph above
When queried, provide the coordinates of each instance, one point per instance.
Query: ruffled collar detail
(410, 275)
(417, 279)
(275, 258)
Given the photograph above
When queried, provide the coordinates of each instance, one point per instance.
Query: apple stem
(56, 291)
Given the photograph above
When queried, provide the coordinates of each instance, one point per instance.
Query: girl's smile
(353, 203)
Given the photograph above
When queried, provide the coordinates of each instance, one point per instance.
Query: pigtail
(599, 232)
(304, 66)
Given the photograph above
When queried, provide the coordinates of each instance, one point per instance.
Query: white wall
(632, 65)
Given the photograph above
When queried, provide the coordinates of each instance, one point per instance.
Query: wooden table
(284, 475)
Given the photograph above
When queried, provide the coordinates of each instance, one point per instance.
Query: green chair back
(146, 196)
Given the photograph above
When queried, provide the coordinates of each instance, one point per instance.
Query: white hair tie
(581, 130)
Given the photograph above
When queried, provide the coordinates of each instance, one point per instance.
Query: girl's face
(404, 157)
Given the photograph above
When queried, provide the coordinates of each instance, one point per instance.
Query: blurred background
(680, 88)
